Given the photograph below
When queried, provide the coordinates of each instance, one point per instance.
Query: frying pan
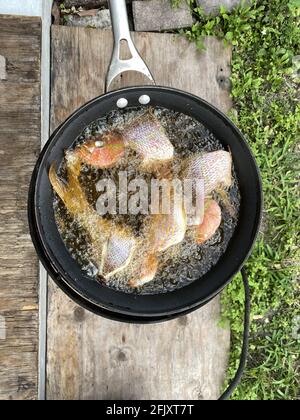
(49, 245)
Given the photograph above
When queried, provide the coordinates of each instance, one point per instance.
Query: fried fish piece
(147, 271)
(147, 137)
(215, 168)
(102, 151)
(211, 222)
(117, 251)
(161, 232)
(167, 230)
(112, 244)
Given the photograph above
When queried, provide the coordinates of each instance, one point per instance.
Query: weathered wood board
(20, 117)
(93, 358)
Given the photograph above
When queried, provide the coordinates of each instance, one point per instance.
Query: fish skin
(147, 137)
(148, 270)
(167, 230)
(214, 167)
(211, 222)
(102, 151)
(117, 252)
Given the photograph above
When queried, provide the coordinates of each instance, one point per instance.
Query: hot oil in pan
(181, 264)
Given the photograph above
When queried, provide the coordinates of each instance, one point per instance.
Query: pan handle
(120, 25)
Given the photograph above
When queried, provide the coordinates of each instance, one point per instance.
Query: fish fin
(57, 184)
(73, 164)
(224, 197)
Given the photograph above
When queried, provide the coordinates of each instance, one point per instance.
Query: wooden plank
(21, 35)
(93, 358)
(20, 39)
(173, 60)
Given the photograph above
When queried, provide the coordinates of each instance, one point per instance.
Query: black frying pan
(49, 245)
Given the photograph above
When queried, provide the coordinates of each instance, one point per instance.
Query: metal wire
(243, 361)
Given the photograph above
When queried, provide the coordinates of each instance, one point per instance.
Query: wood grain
(20, 40)
(93, 358)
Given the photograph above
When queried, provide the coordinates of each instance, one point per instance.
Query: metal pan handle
(120, 25)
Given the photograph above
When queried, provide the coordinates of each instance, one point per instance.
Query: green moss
(265, 90)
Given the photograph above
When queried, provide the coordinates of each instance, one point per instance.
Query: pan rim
(36, 231)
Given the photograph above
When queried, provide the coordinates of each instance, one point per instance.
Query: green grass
(265, 90)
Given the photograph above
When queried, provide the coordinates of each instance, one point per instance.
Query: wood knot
(201, 392)
(183, 321)
(119, 355)
(122, 356)
(224, 82)
(24, 384)
(223, 77)
(79, 314)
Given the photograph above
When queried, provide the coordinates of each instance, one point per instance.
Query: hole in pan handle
(120, 25)
(243, 360)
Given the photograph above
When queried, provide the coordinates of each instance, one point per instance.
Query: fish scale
(215, 168)
(117, 252)
(148, 138)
